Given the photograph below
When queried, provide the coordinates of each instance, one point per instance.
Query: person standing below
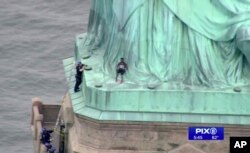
(79, 70)
(45, 136)
(121, 68)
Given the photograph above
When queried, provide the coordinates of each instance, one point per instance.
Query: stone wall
(86, 135)
(42, 116)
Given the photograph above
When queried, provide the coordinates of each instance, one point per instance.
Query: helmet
(79, 62)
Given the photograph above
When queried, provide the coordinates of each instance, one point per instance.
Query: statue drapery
(194, 42)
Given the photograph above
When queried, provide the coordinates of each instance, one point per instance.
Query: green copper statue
(195, 42)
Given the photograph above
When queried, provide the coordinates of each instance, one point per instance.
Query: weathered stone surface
(187, 148)
(92, 136)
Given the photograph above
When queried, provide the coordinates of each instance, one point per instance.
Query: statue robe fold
(194, 42)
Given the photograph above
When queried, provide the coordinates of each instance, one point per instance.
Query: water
(35, 35)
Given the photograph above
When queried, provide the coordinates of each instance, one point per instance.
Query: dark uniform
(79, 70)
(45, 136)
(52, 150)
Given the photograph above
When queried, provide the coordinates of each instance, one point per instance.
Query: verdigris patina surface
(194, 42)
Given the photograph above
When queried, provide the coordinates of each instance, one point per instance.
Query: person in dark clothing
(79, 70)
(45, 136)
(52, 150)
(121, 69)
(48, 145)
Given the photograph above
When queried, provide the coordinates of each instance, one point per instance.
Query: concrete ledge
(163, 117)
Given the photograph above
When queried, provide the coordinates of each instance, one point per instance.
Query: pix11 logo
(206, 133)
(239, 144)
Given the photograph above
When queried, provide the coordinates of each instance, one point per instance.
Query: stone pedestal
(94, 136)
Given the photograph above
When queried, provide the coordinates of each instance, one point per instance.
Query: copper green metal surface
(195, 42)
(166, 103)
(195, 53)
